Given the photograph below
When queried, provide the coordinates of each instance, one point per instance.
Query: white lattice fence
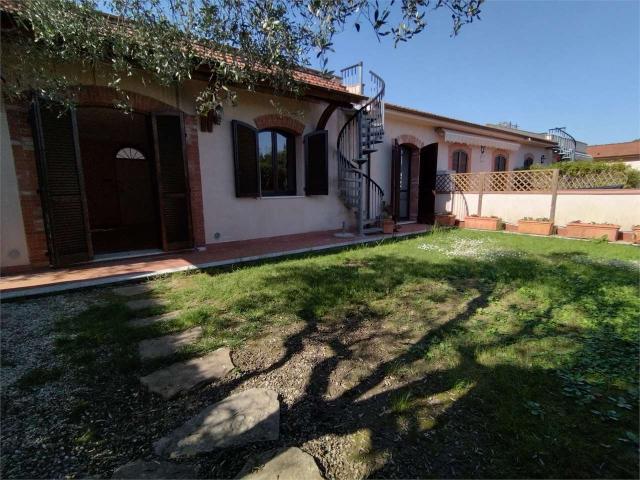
(519, 181)
(592, 180)
(526, 181)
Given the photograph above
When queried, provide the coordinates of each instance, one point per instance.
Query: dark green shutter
(173, 184)
(316, 154)
(61, 184)
(245, 159)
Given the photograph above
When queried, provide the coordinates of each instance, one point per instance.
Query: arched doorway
(109, 181)
(120, 180)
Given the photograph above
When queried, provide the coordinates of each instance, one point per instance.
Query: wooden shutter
(316, 154)
(61, 184)
(245, 159)
(395, 179)
(173, 183)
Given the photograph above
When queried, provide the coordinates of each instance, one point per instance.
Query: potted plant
(388, 223)
(535, 226)
(636, 234)
(446, 219)
(578, 229)
(482, 223)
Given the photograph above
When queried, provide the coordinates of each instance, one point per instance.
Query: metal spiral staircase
(356, 142)
(566, 143)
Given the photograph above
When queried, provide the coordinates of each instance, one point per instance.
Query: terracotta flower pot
(482, 223)
(535, 227)
(388, 225)
(445, 220)
(593, 230)
(636, 234)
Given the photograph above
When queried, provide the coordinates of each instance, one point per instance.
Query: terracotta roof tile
(608, 150)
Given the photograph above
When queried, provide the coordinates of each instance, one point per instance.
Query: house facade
(96, 182)
(625, 152)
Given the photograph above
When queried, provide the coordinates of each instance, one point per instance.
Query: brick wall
(195, 182)
(24, 157)
(279, 122)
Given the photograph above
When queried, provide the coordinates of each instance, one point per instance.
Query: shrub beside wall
(581, 169)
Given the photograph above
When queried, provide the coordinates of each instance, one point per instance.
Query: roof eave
(463, 123)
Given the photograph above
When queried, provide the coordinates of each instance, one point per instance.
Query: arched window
(277, 158)
(499, 163)
(459, 161)
(528, 161)
(130, 154)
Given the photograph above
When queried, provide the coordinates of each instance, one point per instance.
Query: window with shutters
(499, 163)
(459, 162)
(277, 161)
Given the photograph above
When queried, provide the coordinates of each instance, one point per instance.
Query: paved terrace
(46, 281)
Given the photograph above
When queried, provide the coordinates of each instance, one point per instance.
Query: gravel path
(80, 426)
(34, 426)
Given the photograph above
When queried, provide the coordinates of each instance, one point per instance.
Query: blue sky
(540, 64)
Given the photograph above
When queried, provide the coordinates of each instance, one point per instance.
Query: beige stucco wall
(401, 123)
(619, 207)
(235, 218)
(13, 244)
(460, 204)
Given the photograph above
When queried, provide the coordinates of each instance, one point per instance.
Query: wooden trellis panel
(525, 181)
(593, 180)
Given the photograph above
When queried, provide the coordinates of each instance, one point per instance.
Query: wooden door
(61, 184)
(427, 186)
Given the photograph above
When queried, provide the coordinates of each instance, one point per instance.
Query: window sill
(280, 197)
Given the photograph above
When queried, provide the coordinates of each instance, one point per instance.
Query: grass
(504, 355)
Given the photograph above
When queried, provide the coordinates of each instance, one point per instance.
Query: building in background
(626, 152)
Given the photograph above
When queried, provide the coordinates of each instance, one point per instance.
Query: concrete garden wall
(621, 207)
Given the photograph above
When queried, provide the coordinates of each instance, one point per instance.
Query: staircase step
(145, 322)
(283, 464)
(169, 344)
(184, 376)
(246, 417)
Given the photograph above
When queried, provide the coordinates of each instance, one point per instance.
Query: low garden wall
(621, 207)
(596, 197)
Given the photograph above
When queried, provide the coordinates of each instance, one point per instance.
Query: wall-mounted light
(542, 157)
(481, 148)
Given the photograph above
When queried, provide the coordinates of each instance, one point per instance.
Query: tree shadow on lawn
(478, 412)
(504, 419)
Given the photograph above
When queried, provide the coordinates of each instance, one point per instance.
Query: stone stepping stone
(154, 469)
(245, 417)
(168, 344)
(145, 303)
(183, 376)
(283, 464)
(131, 290)
(145, 322)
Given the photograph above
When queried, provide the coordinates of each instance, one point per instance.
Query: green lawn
(456, 353)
